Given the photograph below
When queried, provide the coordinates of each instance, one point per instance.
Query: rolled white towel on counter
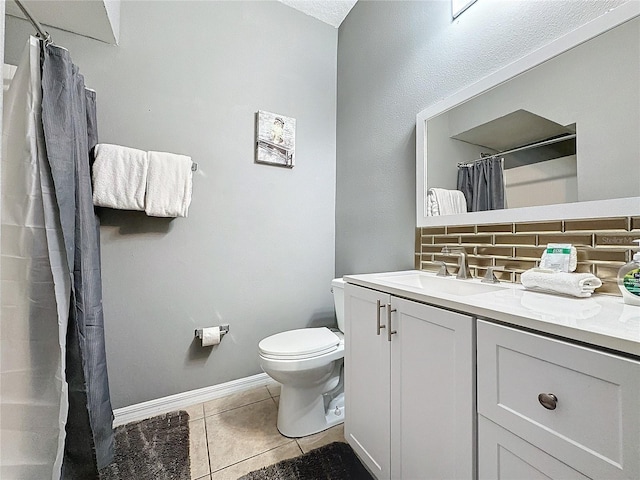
(445, 202)
(119, 177)
(169, 184)
(550, 281)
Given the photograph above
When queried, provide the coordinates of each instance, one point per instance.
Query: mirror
(570, 112)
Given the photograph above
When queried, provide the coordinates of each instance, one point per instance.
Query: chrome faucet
(463, 264)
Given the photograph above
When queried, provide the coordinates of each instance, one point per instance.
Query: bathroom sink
(447, 285)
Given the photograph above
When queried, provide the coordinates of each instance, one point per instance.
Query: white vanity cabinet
(367, 379)
(552, 409)
(409, 387)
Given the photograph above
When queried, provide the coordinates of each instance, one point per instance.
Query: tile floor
(234, 435)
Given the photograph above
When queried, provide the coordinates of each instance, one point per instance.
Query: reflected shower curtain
(56, 416)
(482, 183)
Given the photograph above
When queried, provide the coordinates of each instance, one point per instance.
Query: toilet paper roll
(210, 336)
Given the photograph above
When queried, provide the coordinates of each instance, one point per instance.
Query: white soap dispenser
(629, 279)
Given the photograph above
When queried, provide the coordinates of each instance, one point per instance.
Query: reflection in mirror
(568, 129)
(538, 156)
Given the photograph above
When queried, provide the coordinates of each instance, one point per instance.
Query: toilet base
(303, 413)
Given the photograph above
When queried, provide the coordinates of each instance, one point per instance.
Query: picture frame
(275, 139)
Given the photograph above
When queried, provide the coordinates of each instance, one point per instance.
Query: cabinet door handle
(378, 326)
(548, 400)
(389, 331)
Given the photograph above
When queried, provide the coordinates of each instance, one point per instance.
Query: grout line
(258, 454)
(206, 438)
(234, 408)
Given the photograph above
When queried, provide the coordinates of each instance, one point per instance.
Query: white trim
(625, 12)
(158, 406)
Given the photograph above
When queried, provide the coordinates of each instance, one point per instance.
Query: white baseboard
(158, 406)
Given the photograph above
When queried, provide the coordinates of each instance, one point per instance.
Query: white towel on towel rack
(119, 177)
(169, 183)
(445, 202)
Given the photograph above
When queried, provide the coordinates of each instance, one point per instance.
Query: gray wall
(257, 250)
(394, 60)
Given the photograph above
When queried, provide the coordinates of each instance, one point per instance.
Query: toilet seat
(299, 344)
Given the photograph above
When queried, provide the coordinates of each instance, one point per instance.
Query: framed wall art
(275, 139)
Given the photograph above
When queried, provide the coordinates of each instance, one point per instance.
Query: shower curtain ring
(46, 39)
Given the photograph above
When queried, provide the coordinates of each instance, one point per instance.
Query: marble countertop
(600, 320)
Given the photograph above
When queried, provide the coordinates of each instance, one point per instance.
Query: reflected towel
(168, 185)
(445, 202)
(574, 284)
(119, 177)
(569, 309)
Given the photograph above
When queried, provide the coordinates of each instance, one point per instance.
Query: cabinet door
(432, 399)
(367, 378)
(501, 454)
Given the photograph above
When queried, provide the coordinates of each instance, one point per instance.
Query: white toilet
(308, 363)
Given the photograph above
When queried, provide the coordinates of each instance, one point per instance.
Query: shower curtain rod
(519, 149)
(44, 35)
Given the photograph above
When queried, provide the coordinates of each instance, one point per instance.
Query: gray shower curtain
(482, 183)
(69, 119)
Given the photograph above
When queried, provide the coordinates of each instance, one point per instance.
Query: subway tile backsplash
(603, 244)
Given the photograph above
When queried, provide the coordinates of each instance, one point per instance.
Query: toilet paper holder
(224, 329)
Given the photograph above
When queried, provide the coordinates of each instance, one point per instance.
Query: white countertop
(600, 320)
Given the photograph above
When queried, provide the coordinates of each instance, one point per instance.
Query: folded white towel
(550, 281)
(445, 202)
(119, 177)
(168, 185)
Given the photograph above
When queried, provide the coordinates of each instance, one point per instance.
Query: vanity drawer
(501, 454)
(595, 423)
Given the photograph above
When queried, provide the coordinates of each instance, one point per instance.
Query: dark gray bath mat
(153, 449)
(335, 461)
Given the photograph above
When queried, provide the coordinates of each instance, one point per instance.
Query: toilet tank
(337, 287)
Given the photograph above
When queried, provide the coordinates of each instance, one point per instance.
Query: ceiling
(87, 17)
(92, 19)
(332, 12)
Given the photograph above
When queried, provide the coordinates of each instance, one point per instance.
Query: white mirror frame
(589, 209)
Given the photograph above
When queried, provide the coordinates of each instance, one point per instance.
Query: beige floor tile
(198, 453)
(195, 411)
(277, 400)
(333, 434)
(274, 389)
(235, 400)
(243, 432)
(283, 452)
(206, 477)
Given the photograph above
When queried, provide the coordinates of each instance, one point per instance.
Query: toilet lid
(304, 341)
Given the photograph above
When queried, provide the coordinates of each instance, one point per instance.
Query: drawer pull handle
(389, 331)
(378, 325)
(548, 400)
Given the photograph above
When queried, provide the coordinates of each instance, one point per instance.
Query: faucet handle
(443, 272)
(490, 277)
